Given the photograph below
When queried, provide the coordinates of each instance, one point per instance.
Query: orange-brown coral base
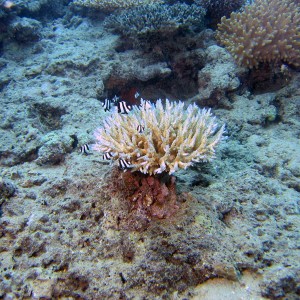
(143, 197)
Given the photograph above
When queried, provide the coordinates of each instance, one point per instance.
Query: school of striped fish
(123, 108)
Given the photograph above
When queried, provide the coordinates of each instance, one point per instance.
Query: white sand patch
(222, 289)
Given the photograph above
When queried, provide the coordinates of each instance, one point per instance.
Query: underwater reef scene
(150, 149)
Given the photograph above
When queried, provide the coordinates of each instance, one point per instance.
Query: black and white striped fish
(106, 104)
(123, 164)
(84, 149)
(107, 155)
(123, 108)
(140, 128)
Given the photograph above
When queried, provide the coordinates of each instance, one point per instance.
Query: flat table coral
(172, 137)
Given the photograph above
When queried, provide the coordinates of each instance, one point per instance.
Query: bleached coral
(173, 137)
(268, 31)
(110, 5)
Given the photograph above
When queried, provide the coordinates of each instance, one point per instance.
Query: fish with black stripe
(106, 104)
(85, 149)
(140, 128)
(107, 156)
(123, 107)
(124, 164)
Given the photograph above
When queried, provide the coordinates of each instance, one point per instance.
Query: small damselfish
(106, 104)
(107, 156)
(123, 108)
(84, 149)
(123, 164)
(140, 128)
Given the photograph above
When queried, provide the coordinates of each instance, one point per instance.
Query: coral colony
(153, 141)
(160, 18)
(265, 32)
(110, 5)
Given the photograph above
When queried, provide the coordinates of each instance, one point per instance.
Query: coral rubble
(217, 78)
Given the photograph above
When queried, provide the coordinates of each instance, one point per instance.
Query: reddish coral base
(147, 197)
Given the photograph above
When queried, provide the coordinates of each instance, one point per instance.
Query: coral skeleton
(173, 138)
(267, 31)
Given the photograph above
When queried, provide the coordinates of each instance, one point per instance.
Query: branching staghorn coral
(110, 5)
(173, 137)
(268, 31)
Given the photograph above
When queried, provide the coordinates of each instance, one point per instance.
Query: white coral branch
(173, 137)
